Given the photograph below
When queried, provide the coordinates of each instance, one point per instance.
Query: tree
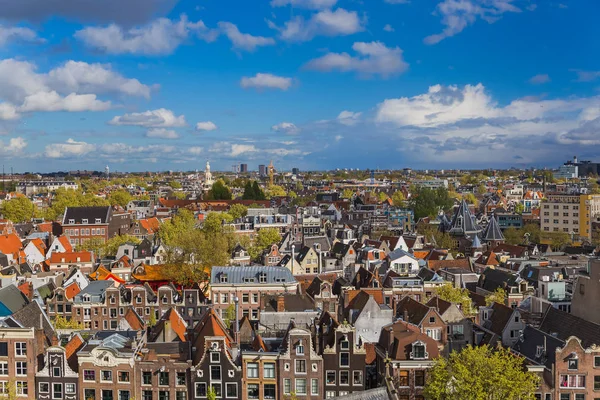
(249, 193)
(558, 240)
(264, 239)
(276, 191)
(428, 202)
(61, 322)
(292, 194)
(238, 211)
(19, 209)
(220, 191)
(211, 394)
(480, 373)
(497, 296)
(120, 197)
(152, 319)
(382, 197)
(64, 198)
(347, 194)
(229, 316)
(470, 198)
(513, 236)
(519, 208)
(10, 391)
(398, 199)
(112, 245)
(258, 192)
(458, 296)
(175, 185)
(481, 189)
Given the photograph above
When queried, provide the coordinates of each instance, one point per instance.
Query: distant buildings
(243, 168)
(29, 188)
(570, 213)
(262, 170)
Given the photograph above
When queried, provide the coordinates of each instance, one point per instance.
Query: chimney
(280, 303)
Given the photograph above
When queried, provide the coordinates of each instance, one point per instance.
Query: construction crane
(271, 172)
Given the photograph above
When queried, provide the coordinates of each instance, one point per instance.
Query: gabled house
(459, 327)
(403, 263)
(35, 251)
(368, 316)
(425, 317)
(240, 256)
(82, 260)
(60, 244)
(498, 322)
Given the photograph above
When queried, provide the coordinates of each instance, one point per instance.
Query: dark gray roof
(237, 275)
(322, 241)
(12, 298)
(492, 231)
(564, 325)
(30, 317)
(95, 289)
(538, 346)
(89, 213)
(463, 222)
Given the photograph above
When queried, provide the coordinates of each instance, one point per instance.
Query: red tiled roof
(72, 290)
(71, 257)
(11, 244)
(151, 273)
(65, 243)
(73, 346)
(39, 244)
(436, 265)
(150, 224)
(26, 289)
(376, 293)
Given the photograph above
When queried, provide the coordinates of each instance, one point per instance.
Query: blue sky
(315, 84)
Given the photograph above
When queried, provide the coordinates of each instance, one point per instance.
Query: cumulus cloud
(339, 22)
(52, 101)
(206, 126)
(8, 112)
(71, 148)
(17, 34)
(160, 118)
(349, 118)
(266, 81)
(237, 149)
(372, 58)
(586, 76)
(388, 28)
(15, 146)
(243, 41)
(458, 14)
(159, 37)
(285, 127)
(195, 150)
(307, 4)
(539, 79)
(162, 133)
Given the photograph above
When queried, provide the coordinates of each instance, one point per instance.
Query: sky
(315, 84)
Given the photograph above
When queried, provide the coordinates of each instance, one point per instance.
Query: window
(330, 378)
(3, 368)
(215, 372)
(106, 376)
(255, 298)
(57, 390)
(107, 394)
(180, 378)
(300, 366)
(245, 298)
(146, 378)
(403, 378)
(345, 345)
(163, 395)
(69, 388)
(269, 392)
(357, 378)
(300, 349)
(572, 381)
(597, 382)
(231, 391)
(435, 334)
(44, 387)
(89, 394)
(418, 351)
(253, 391)
(223, 278)
(314, 387)
(147, 395)
(579, 396)
(269, 370)
(301, 386)
(163, 378)
(287, 386)
(262, 278)
(124, 395)
(21, 349)
(21, 367)
(573, 363)
(432, 320)
(344, 377)
(22, 389)
(565, 396)
(252, 370)
(344, 359)
(200, 389)
(123, 376)
(597, 362)
(215, 357)
(89, 375)
(419, 378)
(3, 349)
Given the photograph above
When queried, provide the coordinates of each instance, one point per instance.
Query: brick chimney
(280, 303)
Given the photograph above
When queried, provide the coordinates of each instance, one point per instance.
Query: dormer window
(84, 221)
(98, 221)
(418, 351)
(573, 362)
(223, 278)
(345, 344)
(262, 277)
(300, 348)
(71, 221)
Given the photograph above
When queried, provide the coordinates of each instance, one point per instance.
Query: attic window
(418, 351)
(98, 221)
(223, 278)
(248, 280)
(345, 344)
(300, 348)
(84, 221)
(71, 221)
(262, 277)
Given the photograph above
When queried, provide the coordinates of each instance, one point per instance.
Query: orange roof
(150, 224)
(26, 289)
(103, 274)
(73, 345)
(72, 290)
(376, 293)
(151, 273)
(439, 264)
(420, 254)
(45, 227)
(371, 355)
(65, 243)
(134, 320)
(178, 325)
(210, 325)
(10, 244)
(39, 244)
(71, 257)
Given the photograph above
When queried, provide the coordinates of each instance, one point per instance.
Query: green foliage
(229, 316)
(529, 232)
(470, 198)
(275, 191)
(480, 373)
(211, 394)
(382, 197)
(264, 239)
(398, 199)
(458, 296)
(61, 322)
(219, 191)
(108, 249)
(557, 240)
(519, 208)
(120, 197)
(498, 296)
(238, 211)
(18, 209)
(481, 189)
(152, 319)
(347, 194)
(427, 202)
(11, 391)
(252, 191)
(175, 185)
(443, 240)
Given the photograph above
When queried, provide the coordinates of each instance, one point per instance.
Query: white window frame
(236, 390)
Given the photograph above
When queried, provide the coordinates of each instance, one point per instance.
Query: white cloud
(539, 79)
(8, 111)
(70, 148)
(266, 81)
(388, 28)
(307, 4)
(349, 118)
(586, 76)
(195, 150)
(16, 33)
(162, 133)
(324, 23)
(458, 14)
(244, 41)
(80, 76)
(286, 127)
(237, 149)
(338, 138)
(159, 37)
(373, 58)
(206, 126)
(15, 146)
(52, 101)
(160, 118)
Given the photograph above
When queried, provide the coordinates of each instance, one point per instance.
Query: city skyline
(312, 84)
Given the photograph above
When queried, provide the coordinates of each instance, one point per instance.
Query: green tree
(299, 186)
(18, 209)
(519, 208)
(175, 185)
(481, 190)
(152, 319)
(220, 191)
(276, 191)
(238, 211)
(61, 322)
(427, 202)
(229, 316)
(480, 373)
(347, 194)
(513, 236)
(112, 245)
(558, 240)
(264, 239)
(258, 192)
(398, 199)
(64, 198)
(120, 197)
(382, 197)
(211, 394)
(458, 296)
(11, 391)
(497, 296)
(470, 198)
(292, 194)
(249, 193)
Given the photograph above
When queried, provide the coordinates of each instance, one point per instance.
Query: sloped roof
(415, 311)
(71, 257)
(11, 300)
(72, 290)
(492, 231)
(531, 339)
(10, 244)
(404, 335)
(487, 258)
(463, 222)
(565, 325)
(30, 317)
(149, 273)
(133, 319)
(236, 275)
(151, 225)
(441, 305)
(500, 317)
(90, 213)
(462, 263)
(64, 241)
(209, 325)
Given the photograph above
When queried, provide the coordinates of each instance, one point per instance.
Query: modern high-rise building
(570, 213)
(262, 170)
(243, 168)
(295, 171)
